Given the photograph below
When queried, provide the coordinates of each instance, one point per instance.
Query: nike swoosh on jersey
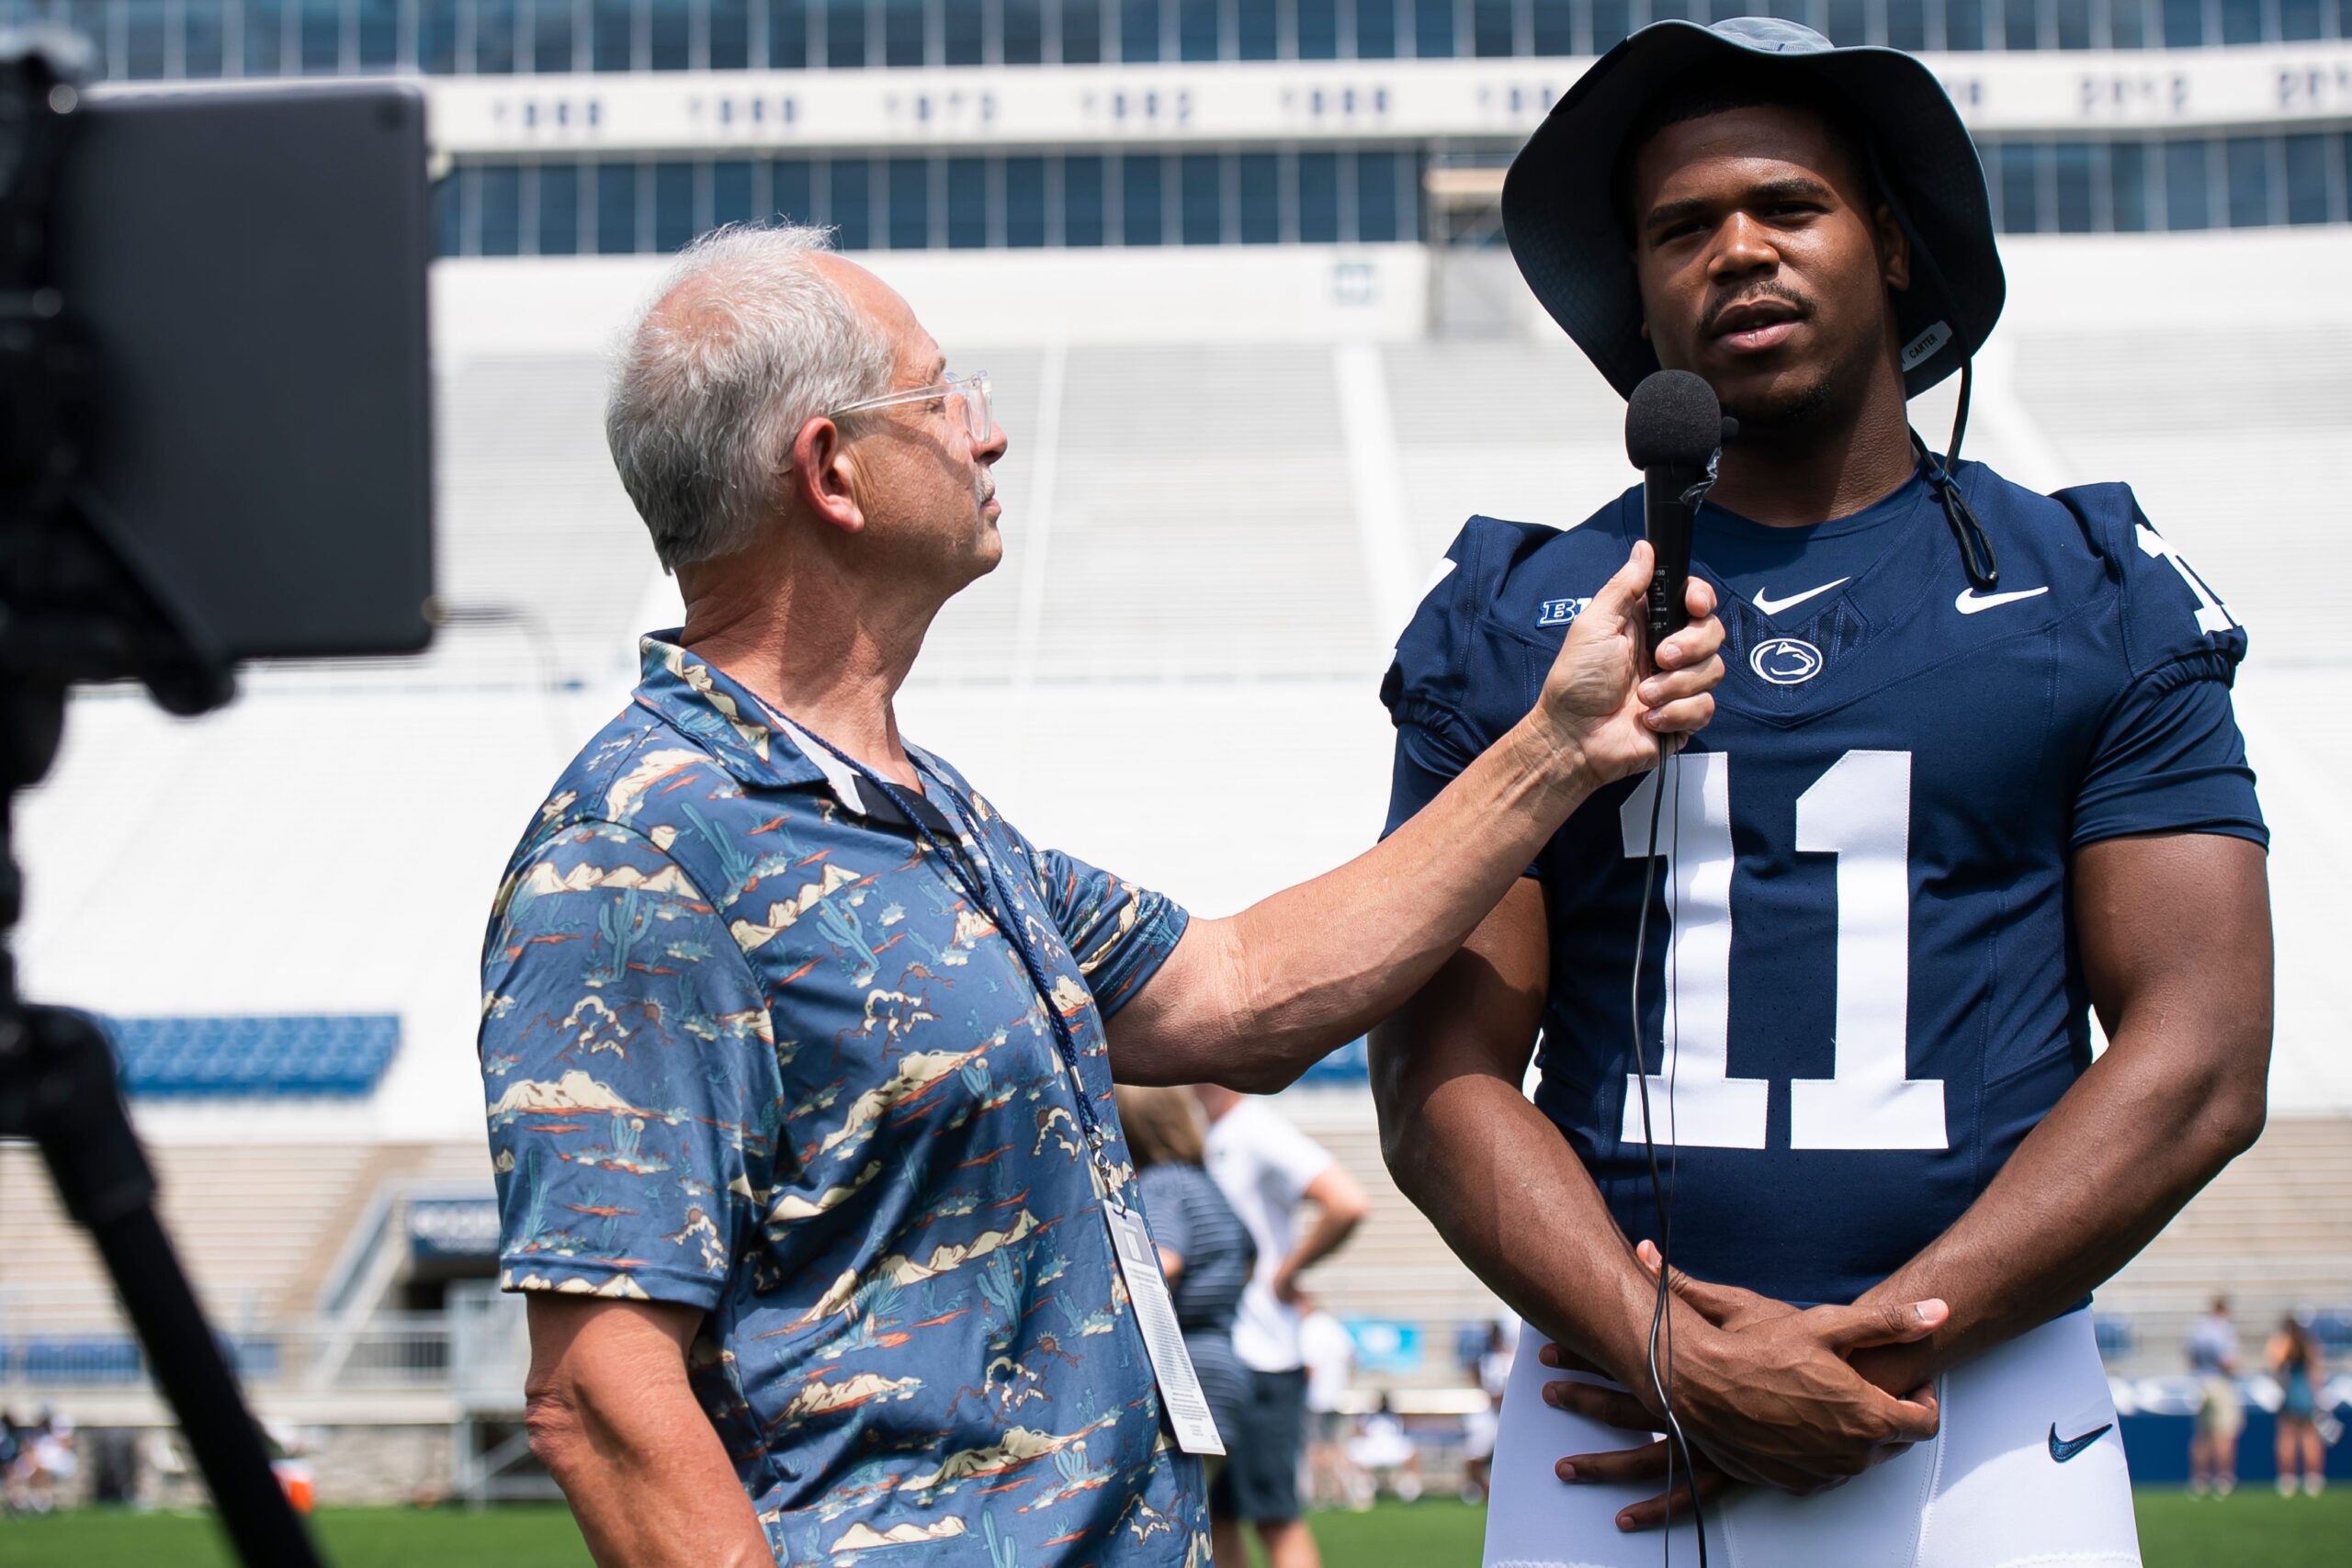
(1972, 603)
(2063, 1448)
(1772, 607)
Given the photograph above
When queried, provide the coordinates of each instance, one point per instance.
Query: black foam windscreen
(1673, 418)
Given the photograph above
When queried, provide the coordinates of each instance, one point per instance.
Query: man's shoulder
(640, 774)
(1504, 566)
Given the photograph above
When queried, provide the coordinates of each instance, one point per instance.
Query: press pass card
(1180, 1386)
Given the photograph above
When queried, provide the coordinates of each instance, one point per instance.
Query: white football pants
(1990, 1491)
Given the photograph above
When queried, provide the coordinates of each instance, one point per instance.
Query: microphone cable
(1661, 1334)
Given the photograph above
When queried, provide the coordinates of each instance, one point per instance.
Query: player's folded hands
(1766, 1394)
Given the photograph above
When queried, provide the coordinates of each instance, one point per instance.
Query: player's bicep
(2175, 927)
(1478, 1014)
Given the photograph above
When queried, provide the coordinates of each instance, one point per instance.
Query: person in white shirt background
(1266, 1168)
(1330, 1355)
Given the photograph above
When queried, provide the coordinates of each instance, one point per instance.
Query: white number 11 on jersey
(1859, 811)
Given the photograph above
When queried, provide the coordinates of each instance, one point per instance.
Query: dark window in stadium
(320, 37)
(1612, 20)
(2020, 193)
(2188, 184)
(1319, 198)
(1319, 28)
(1083, 207)
(614, 22)
(559, 221)
(1375, 29)
(2020, 24)
(1141, 219)
(2074, 187)
(1848, 22)
(1138, 32)
(1964, 25)
(2127, 180)
(2301, 19)
(1025, 202)
(499, 40)
(1906, 27)
(1255, 34)
(1081, 34)
(1553, 27)
(1196, 30)
(849, 203)
(1379, 215)
(845, 24)
(1201, 193)
(787, 33)
(1022, 32)
(2183, 23)
(550, 38)
(616, 209)
(967, 203)
(2073, 24)
(500, 197)
(666, 33)
(1433, 29)
(1491, 29)
(964, 40)
(731, 197)
(907, 223)
(2306, 169)
(448, 215)
(673, 206)
(2127, 23)
(2247, 160)
(2241, 21)
(792, 191)
(142, 28)
(205, 46)
(902, 33)
(1259, 174)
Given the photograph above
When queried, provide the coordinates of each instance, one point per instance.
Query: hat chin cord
(1975, 549)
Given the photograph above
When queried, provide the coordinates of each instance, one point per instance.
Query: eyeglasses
(969, 394)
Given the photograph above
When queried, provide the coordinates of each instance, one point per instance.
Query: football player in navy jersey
(1973, 774)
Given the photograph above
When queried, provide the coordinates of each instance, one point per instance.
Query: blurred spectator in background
(2294, 1359)
(55, 1461)
(1267, 1168)
(2213, 1445)
(1330, 1355)
(1385, 1454)
(1203, 1248)
(1492, 1367)
(114, 1466)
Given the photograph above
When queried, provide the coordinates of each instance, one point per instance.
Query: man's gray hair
(745, 341)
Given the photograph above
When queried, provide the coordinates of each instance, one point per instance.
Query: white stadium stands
(1226, 484)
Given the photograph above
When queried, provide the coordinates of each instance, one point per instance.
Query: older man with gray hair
(799, 1057)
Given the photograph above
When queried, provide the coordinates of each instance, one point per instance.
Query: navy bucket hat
(1559, 204)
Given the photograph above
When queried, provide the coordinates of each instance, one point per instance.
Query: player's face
(1762, 268)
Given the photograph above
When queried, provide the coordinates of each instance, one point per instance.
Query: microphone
(1674, 432)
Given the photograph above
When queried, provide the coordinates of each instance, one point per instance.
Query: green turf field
(2176, 1532)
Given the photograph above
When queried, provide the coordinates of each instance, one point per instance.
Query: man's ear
(821, 475)
(1894, 248)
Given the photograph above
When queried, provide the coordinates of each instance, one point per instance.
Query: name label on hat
(1926, 344)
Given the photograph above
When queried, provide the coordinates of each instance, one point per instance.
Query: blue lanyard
(977, 881)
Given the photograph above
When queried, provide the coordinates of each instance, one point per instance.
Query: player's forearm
(645, 1473)
(1312, 967)
(1510, 1197)
(2136, 1137)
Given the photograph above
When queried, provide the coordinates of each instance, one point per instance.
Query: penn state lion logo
(1786, 660)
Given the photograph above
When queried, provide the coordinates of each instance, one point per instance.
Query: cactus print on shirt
(748, 1048)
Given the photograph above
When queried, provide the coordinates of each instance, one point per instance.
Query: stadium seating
(253, 1057)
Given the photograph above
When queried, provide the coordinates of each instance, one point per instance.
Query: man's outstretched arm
(612, 1417)
(1250, 1001)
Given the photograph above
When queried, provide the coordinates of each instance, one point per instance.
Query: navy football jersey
(1860, 963)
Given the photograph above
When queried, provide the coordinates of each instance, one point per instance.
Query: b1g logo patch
(1786, 660)
(1560, 612)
